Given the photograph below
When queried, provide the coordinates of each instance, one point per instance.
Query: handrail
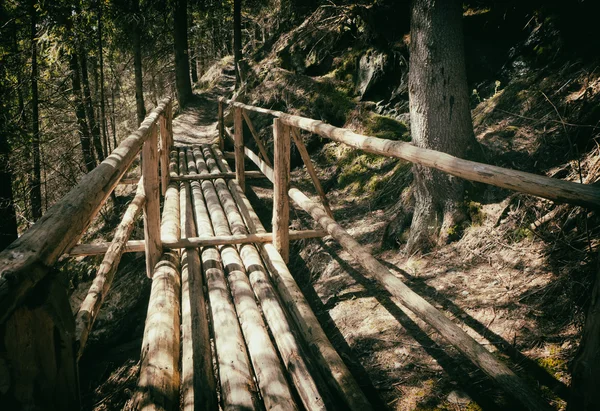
(26, 261)
(528, 183)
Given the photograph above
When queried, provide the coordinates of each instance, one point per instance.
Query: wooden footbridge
(227, 325)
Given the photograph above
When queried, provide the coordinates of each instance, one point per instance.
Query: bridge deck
(237, 339)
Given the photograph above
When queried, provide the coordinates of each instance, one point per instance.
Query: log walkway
(227, 326)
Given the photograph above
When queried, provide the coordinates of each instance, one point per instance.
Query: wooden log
(136, 246)
(198, 384)
(528, 183)
(230, 136)
(152, 205)
(281, 183)
(257, 139)
(158, 385)
(129, 181)
(269, 374)
(239, 147)
(235, 376)
(25, 262)
(311, 170)
(474, 351)
(220, 124)
(247, 174)
(165, 150)
(170, 229)
(229, 155)
(329, 362)
(88, 311)
(289, 349)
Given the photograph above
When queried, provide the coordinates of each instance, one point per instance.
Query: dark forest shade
(182, 65)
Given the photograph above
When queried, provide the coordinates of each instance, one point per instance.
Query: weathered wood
(238, 136)
(220, 124)
(528, 183)
(198, 384)
(169, 228)
(152, 204)
(165, 150)
(129, 181)
(235, 376)
(136, 246)
(269, 374)
(85, 317)
(257, 139)
(158, 384)
(25, 262)
(247, 174)
(229, 155)
(289, 349)
(329, 362)
(311, 170)
(281, 183)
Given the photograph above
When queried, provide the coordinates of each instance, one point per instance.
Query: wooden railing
(41, 344)
(286, 125)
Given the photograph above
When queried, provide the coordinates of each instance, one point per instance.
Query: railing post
(165, 148)
(220, 125)
(281, 205)
(152, 239)
(238, 126)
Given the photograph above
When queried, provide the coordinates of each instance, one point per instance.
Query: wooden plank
(329, 362)
(269, 373)
(25, 262)
(311, 170)
(170, 228)
(88, 311)
(152, 205)
(136, 246)
(528, 183)
(239, 147)
(129, 181)
(235, 376)
(259, 143)
(165, 150)
(247, 174)
(198, 384)
(281, 184)
(289, 349)
(158, 384)
(220, 124)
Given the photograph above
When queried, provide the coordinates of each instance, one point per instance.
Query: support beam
(281, 205)
(311, 170)
(152, 206)
(84, 320)
(191, 177)
(136, 246)
(239, 147)
(259, 143)
(165, 149)
(220, 125)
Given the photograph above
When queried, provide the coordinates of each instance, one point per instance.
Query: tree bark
(237, 42)
(8, 217)
(35, 189)
(137, 64)
(84, 133)
(103, 122)
(439, 115)
(182, 64)
(585, 385)
(89, 106)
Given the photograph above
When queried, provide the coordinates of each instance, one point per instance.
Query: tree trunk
(89, 106)
(35, 179)
(439, 115)
(137, 64)
(8, 217)
(237, 42)
(105, 141)
(182, 64)
(585, 384)
(84, 132)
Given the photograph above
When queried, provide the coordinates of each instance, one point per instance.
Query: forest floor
(499, 282)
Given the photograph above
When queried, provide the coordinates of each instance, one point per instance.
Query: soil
(510, 289)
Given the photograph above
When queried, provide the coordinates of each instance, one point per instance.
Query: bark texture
(35, 177)
(182, 64)
(439, 115)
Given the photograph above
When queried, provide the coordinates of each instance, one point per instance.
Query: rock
(459, 398)
(371, 70)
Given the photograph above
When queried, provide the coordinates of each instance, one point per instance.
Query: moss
(386, 127)
(522, 233)
(475, 212)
